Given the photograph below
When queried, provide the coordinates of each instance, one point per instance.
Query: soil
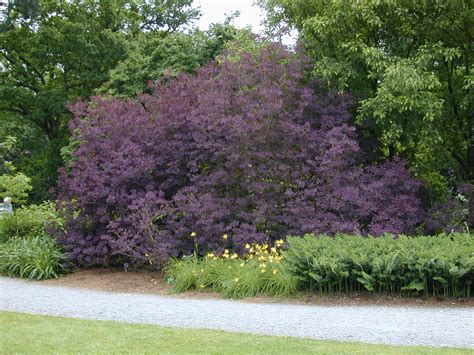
(147, 282)
(118, 280)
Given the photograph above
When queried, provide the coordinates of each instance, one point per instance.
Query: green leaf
(414, 285)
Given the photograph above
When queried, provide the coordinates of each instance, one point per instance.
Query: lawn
(24, 333)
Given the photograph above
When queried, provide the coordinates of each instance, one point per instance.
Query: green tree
(68, 50)
(151, 56)
(63, 52)
(14, 8)
(12, 183)
(409, 64)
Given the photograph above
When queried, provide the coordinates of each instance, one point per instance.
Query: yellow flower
(273, 250)
(193, 234)
(146, 254)
(226, 251)
(236, 279)
(275, 271)
(234, 256)
(225, 237)
(242, 264)
(262, 271)
(201, 286)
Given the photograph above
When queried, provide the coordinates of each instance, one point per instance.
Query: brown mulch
(118, 280)
(147, 282)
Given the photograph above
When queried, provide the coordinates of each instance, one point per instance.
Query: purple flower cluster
(245, 148)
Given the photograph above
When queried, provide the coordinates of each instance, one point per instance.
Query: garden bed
(147, 282)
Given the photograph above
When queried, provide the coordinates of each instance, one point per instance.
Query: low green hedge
(434, 265)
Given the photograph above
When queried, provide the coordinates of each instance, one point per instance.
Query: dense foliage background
(168, 137)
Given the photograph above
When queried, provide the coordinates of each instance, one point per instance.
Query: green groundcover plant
(441, 265)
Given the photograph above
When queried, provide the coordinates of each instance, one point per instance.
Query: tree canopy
(55, 53)
(151, 57)
(409, 64)
(68, 49)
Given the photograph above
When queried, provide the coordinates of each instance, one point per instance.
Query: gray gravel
(452, 327)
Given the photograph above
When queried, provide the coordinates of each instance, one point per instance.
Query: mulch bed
(148, 282)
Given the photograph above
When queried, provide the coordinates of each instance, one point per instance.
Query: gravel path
(452, 327)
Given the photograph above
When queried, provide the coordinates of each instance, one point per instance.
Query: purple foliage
(241, 148)
(453, 215)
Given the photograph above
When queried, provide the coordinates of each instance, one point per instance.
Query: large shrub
(245, 148)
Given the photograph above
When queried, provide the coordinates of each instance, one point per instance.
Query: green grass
(23, 333)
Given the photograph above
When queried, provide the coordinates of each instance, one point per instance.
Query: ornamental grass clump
(247, 148)
(260, 271)
(38, 257)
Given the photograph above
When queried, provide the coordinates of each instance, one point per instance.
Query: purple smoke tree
(246, 148)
